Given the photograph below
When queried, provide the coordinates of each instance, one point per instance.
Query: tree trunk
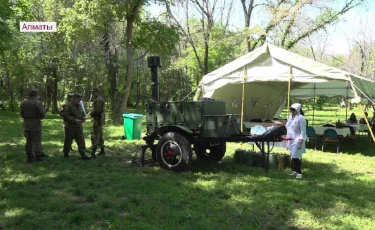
(10, 86)
(138, 97)
(48, 92)
(247, 15)
(113, 71)
(55, 109)
(63, 89)
(206, 38)
(129, 70)
(111, 61)
(363, 59)
(206, 50)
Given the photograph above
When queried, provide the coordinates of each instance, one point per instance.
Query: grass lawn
(337, 191)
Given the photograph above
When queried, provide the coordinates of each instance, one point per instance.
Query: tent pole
(289, 80)
(347, 102)
(363, 111)
(287, 111)
(243, 96)
(368, 124)
(313, 121)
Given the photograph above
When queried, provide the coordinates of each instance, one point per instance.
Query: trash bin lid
(132, 115)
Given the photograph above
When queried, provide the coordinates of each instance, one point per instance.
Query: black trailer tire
(174, 152)
(215, 153)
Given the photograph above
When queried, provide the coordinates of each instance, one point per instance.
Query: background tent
(266, 73)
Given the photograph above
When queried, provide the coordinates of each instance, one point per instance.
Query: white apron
(296, 129)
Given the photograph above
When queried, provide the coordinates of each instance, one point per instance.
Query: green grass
(109, 193)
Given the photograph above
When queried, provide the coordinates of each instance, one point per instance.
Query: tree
(289, 22)
(248, 8)
(5, 41)
(130, 11)
(315, 46)
(123, 33)
(361, 59)
(225, 47)
(207, 11)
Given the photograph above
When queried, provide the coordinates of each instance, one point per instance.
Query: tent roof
(265, 73)
(270, 63)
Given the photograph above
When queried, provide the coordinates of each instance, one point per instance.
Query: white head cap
(297, 107)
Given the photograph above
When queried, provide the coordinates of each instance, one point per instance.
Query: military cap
(77, 95)
(96, 90)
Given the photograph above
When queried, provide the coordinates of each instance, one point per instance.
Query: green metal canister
(239, 156)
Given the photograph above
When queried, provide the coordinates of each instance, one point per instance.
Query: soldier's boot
(102, 153)
(93, 150)
(30, 157)
(84, 157)
(66, 155)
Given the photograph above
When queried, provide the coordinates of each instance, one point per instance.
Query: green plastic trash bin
(132, 125)
(249, 158)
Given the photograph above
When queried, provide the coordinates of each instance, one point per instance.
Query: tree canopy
(105, 44)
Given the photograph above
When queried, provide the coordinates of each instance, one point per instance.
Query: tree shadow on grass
(108, 193)
(327, 192)
(362, 146)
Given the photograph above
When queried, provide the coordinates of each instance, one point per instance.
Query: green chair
(330, 137)
(310, 133)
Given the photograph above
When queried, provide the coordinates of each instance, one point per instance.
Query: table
(249, 125)
(359, 127)
(341, 132)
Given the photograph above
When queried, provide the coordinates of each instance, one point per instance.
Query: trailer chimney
(154, 63)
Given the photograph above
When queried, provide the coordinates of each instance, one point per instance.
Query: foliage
(5, 14)
(152, 29)
(320, 102)
(92, 47)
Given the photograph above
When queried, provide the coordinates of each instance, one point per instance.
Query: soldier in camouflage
(32, 112)
(69, 97)
(63, 105)
(73, 117)
(98, 119)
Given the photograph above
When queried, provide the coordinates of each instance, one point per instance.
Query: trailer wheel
(174, 152)
(210, 153)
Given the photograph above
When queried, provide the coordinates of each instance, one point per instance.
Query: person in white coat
(296, 130)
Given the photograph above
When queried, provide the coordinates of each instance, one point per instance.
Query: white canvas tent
(265, 73)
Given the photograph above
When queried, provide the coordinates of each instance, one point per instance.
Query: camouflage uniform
(32, 111)
(63, 105)
(73, 118)
(97, 114)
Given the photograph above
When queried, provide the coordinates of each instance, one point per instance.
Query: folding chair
(330, 137)
(310, 133)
